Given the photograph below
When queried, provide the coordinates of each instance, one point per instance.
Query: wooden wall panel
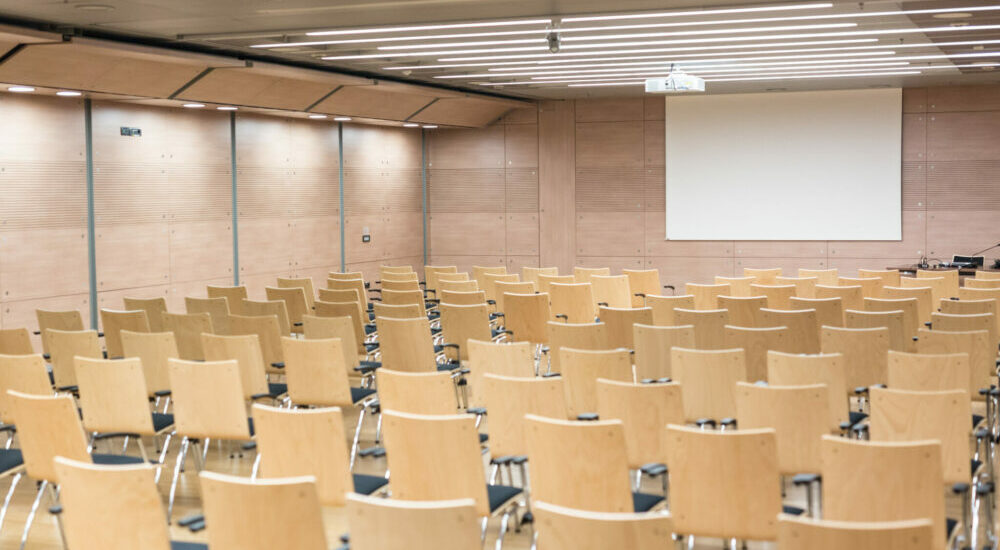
(963, 136)
(557, 184)
(38, 263)
(609, 234)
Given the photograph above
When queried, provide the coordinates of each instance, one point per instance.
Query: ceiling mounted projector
(676, 82)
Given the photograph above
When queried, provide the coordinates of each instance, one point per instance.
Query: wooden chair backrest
(406, 345)
(502, 288)
(389, 524)
(318, 328)
(708, 380)
(850, 296)
(530, 274)
(889, 277)
(778, 296)
(357, 285)
(404, 298)
(154, 308)
(576, 301)
(398, 276)
(739, 287)
(113, 396)
(706, 296)
(333, 295)
(940, 288)
(924, 296)
(802, 324)
(580, 370)
(929, 372)
(871, 287)
(971, 307)
(756, 343)
(561, 528)
(663, 308)
(826, 277)
(964, 323)
(208, 400)
(47, 426)
(950, 276)
(795, 533)
(829, 311)
(16, 341)
(64, 345)
(479, 272)
(508, 359)
(644, 410)
(216, 308)
(767, 276)
(453, 277)
(743, 311)
(709, 326)
(114, 322)
(416, 392)
(268, 332)
(982, 283)
(305, 283)
(346, 309)
(59, 320)
(399, 286)
(234, 296)
(462, 298)
(612, 290)
(245, 350)
(316, 373)
(187, 329)
(805, 287)
(891, 320)
(975, 343)
(273, 308)
(431, 274)
(619, 323)
(642, 281)
(583, 274)
(799, 415)
(509, 398)
(653, 345)
(491, 280)
(581, 336)
(544, 281)
(968, 293)
(865, 351)
(24, 374)
(527, 316)
(988, 275)
(460, 323)
(911, 313)
(457, 286)
(296, 303)
(347, 275)
(827, 369)
(153, 349)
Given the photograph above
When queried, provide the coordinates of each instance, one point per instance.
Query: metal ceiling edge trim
(420, 110)
(13, 51)
(324, 98)
(191, 82)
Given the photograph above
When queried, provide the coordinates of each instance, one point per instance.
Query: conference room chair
(611, 291)
(305, 283)
(964, 323)
(966, 293)
(580, 336)
(940, 287)
(910, 308)
(713, 477)
(112, 508)
(803, 328)
(269, 308)
(245, 350)
(510, 287)
(431, 273)
(460, 323)
(950, 276)
(331, 295)
(652, 348)
(708, 381)
(865, 351)
(970, 307)
(739, 287)
(417, 446)
(208, 404)
(530, 274)
(976, 344)
(874, 481)
(478, 272)
(778, 296)
(871, 287)
(405, 298)
(457, 286)
(767, 276)
(391, 284)
(580, 370)
(290, 505)
(582, 464)
(644, 409)
(216, 308)
(397, 273)
(926, 372)
(619, 323)
(756, 342)
(811, 534)
(187, 329)
(709, 326)
(59, 320)
(309, 442)
(49, 427)
(526, 316)
(573, 303)
(400, 311)
(826, 277)
(358, 285)
(359, 366)
(22, 374)
(490, 281)
(296, 304)
(16, 341)
(424, 393)
(805, 287)
(154, 308)
(234, 296)
(743, 311)
(545, 281)
(892, 320)
(114, 404)
(890, 277)
(826, 369)
(583, 274)
(113, 322)
(405, 345)
(642, 283)
(383, 269)
(988, 275)
(706, 296)
(390, 524)
(352, 310)
(829, 311)
(153, 349)
(663, 308)
(851, 297)
(924, 296)
(63, 347)
(561, 528)
(268, 334)
(982, 283)
(345, 276)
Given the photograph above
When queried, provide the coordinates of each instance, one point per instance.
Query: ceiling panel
(374, 102)
(467, 111)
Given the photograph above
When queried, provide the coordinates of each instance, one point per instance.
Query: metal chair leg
(181, 455)
(504, 521)
(163, 456)
(10, 495)
(31, 514)
(256, 467)
(357, 436)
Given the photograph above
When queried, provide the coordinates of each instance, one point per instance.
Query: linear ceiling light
(848, 75)
(665, 59)
(633, 78)
(431, 27)
(812, 6)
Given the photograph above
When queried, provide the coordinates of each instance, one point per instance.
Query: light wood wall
(612, 165)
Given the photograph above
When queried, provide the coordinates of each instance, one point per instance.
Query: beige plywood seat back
(573, 303)
(114, 322)
(939, 286)
(558, 476)
(417, 392)
(988, 275)
(530, 274)
(47, 427)
(717, 474)
(865, 351)
(580, 370)
(808, 534)
(778, 296)
(305, 442)
(64, 346)
(504, 287)
(950, 276)
(756, 343)
(709, 326)
(404, 311)
(545, 281)
(743, 312)
(871, 287)
(245, 350)
(826, 277)
(296, 304)
(883, 481)
(611, 291)
(799, 415)
(395, 269)
(642, 283)
(409, 284)
(582, 336)
(829, 311)
(491, 280)
(113, 396)
(508, 399)
(462, 298)
(351, 310)
(889, 277)
(403, 298)
(911, 313)
(461, 323)
(154, 308)
(706, 296)
(479, 272)
(153, 349)
(851, 297)
(663, 308)
(891, 320)
(406, 345)
(457, 286)
(976, 344)
(58, 320)
(983, 283)
(358, 285)
(619, 322)
(561, 528)
(805, 287)
(965, 323)
(345, 276)
(234, 296)
(268, 334)
(271, 308)
(319, 328)
(738, 286)
(388, 524)
(643, 409)
(802, 324)
(767, 276)
(316, 373)
(291, 506)
(208, 400)
(829, 370)
(331, 295)
(216, 308)
(187, 329)
(925, 372)
(652, 348)
(24, 374)
(15, 341)
(583, 274)
(454, 277)
(527, 317)
(431, 273)
(971, 307)
(486, 357)
(708, 381)
(923, 296)
(305, 283)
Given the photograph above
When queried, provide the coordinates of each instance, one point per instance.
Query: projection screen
(797, 166)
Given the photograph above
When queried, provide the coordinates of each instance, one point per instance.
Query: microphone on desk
(991, 247)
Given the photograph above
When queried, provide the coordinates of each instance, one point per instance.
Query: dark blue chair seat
(371, 316)
(368, 366)
(357, 394)
(369, 329)
(499, 495)
(792, 510)
(115, 460)
(371, 347)
(949, 525)
(277, 388)
(976, 419)
(162, 421)
(177, 545)
(483, 438)
(643, 502)
(448, 366)
(366, 485)
(10, 459)
(856, 417)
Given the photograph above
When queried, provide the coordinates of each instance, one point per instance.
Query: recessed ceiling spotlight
(317, 117)
(194, 105)
(410, 125)
(952, 15)
(94, 7)
(227, 108)
(342, 118)
(430, 126)
(68, 93)
(20, 89)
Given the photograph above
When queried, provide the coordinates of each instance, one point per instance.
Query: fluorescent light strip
(431, 27)
(623, 36)
(671, 60)
(665, 72)
(742, 72)
(812, 6)
(849, 75)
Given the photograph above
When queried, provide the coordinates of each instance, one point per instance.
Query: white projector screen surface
(785, 166)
